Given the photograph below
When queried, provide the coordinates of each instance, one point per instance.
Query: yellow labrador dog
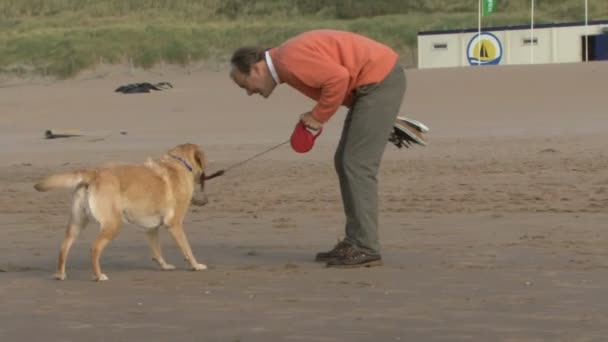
(157, 193)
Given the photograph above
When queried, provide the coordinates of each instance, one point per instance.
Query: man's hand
(310, 122)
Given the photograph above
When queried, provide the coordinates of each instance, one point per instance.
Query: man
(338, 68)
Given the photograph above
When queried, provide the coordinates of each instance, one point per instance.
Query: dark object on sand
(49, 134)
(144, 87)
(407, 132)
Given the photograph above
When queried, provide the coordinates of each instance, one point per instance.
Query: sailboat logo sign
(484, 49)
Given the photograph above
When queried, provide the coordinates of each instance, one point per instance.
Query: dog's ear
(201, 162)
(199, 158)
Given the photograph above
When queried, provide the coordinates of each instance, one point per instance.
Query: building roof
(510, 28)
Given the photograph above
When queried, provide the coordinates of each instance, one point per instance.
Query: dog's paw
(167, 267)
(101, 277)
(199, 267)
(59, 276)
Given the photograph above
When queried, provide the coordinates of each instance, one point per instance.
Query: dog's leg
(109, 230)
(177, 231)
(78, 220)
(154, 243)
(71, 234)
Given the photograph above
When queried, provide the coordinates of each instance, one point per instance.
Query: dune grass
(59, 38)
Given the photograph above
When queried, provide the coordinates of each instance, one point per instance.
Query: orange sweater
(327, 65)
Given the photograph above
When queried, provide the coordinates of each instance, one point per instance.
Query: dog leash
(223, 171)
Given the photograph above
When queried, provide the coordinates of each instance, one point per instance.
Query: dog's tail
(69, 180)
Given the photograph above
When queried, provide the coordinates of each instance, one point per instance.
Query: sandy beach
(496, 231)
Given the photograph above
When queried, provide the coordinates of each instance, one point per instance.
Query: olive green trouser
(367, 127)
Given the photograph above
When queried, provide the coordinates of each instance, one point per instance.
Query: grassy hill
(61, 37)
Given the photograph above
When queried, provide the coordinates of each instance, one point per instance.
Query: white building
(507, 45)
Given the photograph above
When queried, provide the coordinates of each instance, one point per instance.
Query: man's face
(259, 80)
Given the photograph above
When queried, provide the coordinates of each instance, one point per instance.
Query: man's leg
(357, 160)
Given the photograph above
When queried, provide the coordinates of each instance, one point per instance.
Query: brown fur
(157, 193)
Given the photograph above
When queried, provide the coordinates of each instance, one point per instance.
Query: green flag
(488, 6)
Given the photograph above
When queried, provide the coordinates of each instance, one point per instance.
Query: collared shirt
(273, 71)
(327, 65)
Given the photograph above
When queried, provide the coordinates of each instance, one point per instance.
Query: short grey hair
(243, 58)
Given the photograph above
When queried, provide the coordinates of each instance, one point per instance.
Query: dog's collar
(183, 162)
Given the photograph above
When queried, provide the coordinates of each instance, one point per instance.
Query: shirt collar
(273, 71)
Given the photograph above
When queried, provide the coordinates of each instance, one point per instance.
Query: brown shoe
(339, 250)
(355, 258)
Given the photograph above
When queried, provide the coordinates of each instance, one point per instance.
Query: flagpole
(532, 33)
(479, 34)
(586, 32)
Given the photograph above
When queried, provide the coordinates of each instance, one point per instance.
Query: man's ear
(256, 68)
